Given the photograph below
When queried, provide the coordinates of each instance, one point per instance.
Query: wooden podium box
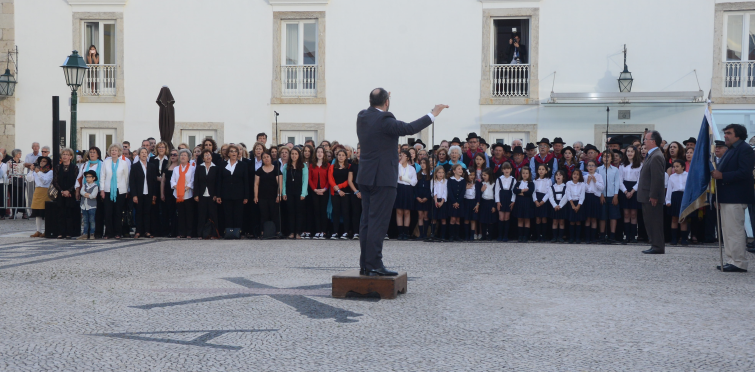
(388, 287)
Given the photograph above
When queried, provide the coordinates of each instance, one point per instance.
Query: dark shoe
(381, 272)
(652, 251)
(362, 271)
(729, 268)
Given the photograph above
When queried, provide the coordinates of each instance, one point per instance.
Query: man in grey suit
(378, 132)
(651, 193)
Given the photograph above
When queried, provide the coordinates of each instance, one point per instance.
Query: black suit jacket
(235, 186)
(736, 186)
(378, 134)
(136, 179)
(204, 180)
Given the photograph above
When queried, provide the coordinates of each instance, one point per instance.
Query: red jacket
(332, 181)
(318, 173)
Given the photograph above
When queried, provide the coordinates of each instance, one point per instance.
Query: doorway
(100, 137)
(298, 137)
(194, 137)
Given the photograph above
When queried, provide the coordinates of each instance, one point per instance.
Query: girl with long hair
(295, 178)
(504, 198)
(524, 208)
(629, 175)
(318, 183)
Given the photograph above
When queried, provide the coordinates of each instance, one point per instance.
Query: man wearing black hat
(518, 160)
(531, 150)
(473, 141)
(614, 144)
(456, 141)
(498, 158)
(558, 145)
(691, 142)
(544, 157)
(592, 154)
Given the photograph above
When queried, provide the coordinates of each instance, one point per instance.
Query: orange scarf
(181, 185)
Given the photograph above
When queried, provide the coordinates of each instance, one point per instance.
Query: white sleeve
(497, 190)
(564, 199)
(550, 197)
(599, 185)
(621, 180)
(444, 191)
(513, 196)
(639, 172)
(668, 194)
(174, 177)
(413, 176)
(582, 193)
(617, 183)
(103, 174)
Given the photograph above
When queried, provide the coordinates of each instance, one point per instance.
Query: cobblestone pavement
(167, 305)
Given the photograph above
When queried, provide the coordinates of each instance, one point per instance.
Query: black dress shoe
(381, 272)
(729, 268)
(652, 251)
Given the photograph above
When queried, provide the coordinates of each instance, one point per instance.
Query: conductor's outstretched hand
(438, 108)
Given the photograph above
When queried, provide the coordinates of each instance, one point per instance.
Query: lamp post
(625, 77)
(74, 69)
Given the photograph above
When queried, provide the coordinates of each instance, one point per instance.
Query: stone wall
(7, 104)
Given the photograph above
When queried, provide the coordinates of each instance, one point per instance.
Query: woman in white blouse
(181, 182)
(113, 189)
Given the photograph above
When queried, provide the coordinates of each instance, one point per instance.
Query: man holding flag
(732, 184)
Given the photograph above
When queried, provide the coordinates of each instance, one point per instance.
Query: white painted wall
(217, 59)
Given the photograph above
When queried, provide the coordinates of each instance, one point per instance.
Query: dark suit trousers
(143, 214)
(295, 214)
(269, 212)
(653, 217)
(114, 214)
(234, 212)
(356, 213)
(377, 204)
(185, 217)
(206, 208)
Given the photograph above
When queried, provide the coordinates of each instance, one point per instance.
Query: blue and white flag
(698, 179)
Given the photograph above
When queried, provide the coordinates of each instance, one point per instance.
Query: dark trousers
(68, 216)
(207, 208)
(185, 211)
(233, 211)
(654, 225)
(171, 220)
(158, 218)
(113, 214)
(356, 213)
(377, 204)
(99, 217)
(143, 214)
(128, 216)
(269, 212)
(340, 211)
(251, 213)
(296, 210)
(320, 209)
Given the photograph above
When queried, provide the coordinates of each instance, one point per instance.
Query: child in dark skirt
(423, 195)
(439, 212)
(593, 189)
(524, 208)
(487, 206)
(542, 211)
(504, 198)
(471, 204)
(674, 194)
(456, 186)
(556, 196)
(629, 172)
(575, 196)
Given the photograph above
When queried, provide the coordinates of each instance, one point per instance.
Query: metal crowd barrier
(15, 193)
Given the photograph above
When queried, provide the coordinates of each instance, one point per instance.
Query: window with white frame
(99, 46)
(299, 58)
(739, 34)
(510, 68)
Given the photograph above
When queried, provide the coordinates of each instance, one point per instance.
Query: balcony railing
(510, 81)
(299, 81)
(99, 81)
(739, 79)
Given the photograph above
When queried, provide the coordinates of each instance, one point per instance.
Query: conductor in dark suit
(735, 185)
(651, 192)
(378, 132)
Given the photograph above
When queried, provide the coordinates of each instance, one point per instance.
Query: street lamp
(625, 77)
(74, 69)
(7, 83)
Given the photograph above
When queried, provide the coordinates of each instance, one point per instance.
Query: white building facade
(231, 64)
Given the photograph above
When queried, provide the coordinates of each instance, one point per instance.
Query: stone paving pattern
(168, 305)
